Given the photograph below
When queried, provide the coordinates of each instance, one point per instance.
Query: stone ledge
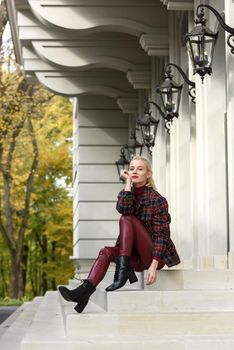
(150, 325)
(188, 332)
(133, 343)
(192, 279)
(14, 328)
(174, 301)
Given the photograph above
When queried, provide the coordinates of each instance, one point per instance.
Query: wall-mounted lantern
(148, 126)
(192, 89)
(123, 162)
(133, 146)
(170, 93)
(201, 41)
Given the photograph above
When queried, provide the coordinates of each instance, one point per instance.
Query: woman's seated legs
(137, 239)
(100, 266)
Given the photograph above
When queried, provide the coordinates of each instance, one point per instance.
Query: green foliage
(4, 268)
(47, 242)
(12, 302)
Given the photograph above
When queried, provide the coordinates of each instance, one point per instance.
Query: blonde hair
(150, 182)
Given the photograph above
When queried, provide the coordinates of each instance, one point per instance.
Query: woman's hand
(152, 273)
(124, 175)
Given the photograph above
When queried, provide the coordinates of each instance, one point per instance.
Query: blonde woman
(144, 236)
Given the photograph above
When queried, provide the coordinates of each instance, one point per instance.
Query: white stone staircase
(184, 310)
(15, 327)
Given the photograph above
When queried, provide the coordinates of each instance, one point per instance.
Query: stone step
(150, 325)
(100, 296)
(95, 331)
(4, 326)
(130, 343)
(175, 291)
(192, 279)
(170, 279)
(170, 301)
(149, 322)
(46, 326)
(14, 328)
(108, 279)
(153, 301)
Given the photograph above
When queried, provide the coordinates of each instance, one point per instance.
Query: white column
(75, 172)
(159, 151)
(192, 156)
(142, 98)
(201, 169)
(211, 222)
(173, 189)
(100, 129)
(229, 18)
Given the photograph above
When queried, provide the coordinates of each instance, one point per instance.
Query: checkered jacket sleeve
(125, 202)
(161, 231)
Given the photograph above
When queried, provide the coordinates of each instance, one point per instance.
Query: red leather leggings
(134, 241)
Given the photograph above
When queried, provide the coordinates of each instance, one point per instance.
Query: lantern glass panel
(150, 134)
(201, 49)
(121, 167)
(122, 163)
(171, 99)
(131, 152)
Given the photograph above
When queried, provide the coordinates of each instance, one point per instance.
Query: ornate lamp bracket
(192, 89)
(168, 121)
(200, 16)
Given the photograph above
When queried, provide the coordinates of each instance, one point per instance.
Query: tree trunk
(44, 261)
(32, 264)
(16, 284)
(24, 266)
(54, 287)
(3, 277)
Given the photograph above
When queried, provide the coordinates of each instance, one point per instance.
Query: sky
(7, 33)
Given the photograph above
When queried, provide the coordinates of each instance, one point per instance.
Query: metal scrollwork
(192, 90)
(192, 94)
(168, 125)
(231, 44)
(221, 21)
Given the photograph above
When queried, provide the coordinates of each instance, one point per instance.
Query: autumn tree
(19, 104)
(3, 19)
(50, 238)
(35, 184)
(33, 126)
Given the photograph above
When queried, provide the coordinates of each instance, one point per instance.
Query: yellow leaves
(50, 200)
(52, 122)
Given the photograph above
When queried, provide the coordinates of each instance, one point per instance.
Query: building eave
(12, 17)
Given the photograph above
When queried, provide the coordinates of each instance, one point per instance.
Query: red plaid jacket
(153, 212)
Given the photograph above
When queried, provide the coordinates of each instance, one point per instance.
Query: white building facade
(109, 55)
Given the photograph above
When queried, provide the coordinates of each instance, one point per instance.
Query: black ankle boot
(79, 295)
(123, 272)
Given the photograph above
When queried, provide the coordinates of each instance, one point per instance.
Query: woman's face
(138, 173)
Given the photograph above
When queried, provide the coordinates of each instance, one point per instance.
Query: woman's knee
(131, 218)
(108, 252)
(124, 218)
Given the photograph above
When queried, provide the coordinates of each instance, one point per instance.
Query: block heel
(123, 273)
(132, 277)
(81, 305)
